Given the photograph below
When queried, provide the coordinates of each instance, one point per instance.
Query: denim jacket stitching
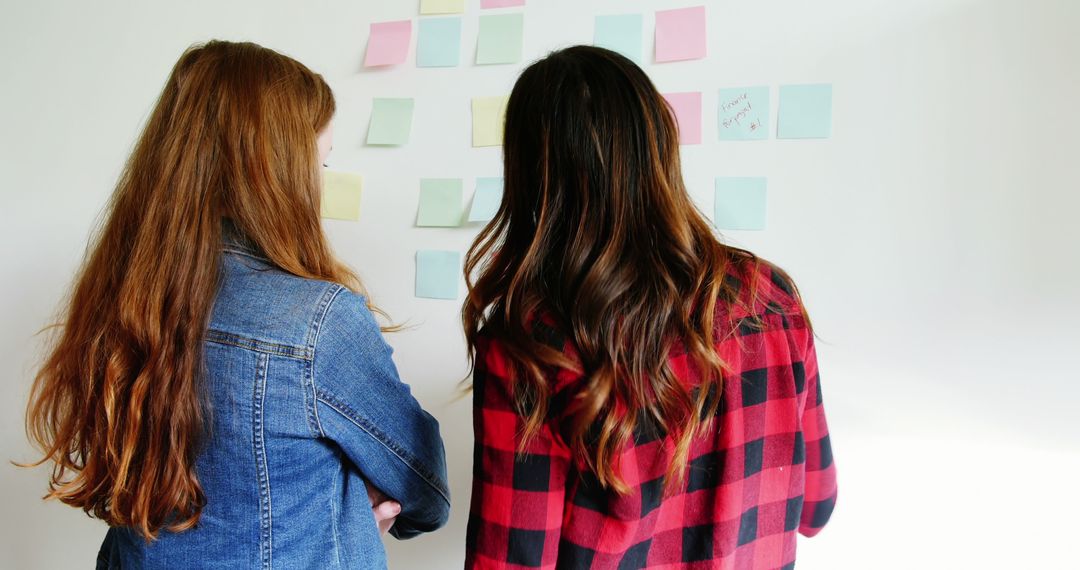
(406, 457)
(266, 520)
(315, 330)
(277, 349)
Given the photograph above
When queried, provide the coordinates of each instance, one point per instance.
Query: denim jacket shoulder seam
(278, 349)
(315, 331)
(407, 458)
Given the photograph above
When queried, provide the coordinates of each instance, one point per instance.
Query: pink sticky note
(501, 3)
(687, 108)
(388, 43)
(680, 34)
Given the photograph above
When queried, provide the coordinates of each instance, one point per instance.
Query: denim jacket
(306, 408)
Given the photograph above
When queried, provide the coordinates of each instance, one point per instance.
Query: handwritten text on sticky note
(744, 114)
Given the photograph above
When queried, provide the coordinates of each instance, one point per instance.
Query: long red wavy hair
(118, 406)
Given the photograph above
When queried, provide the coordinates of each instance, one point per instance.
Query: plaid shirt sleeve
(517, 499)
(820, 491)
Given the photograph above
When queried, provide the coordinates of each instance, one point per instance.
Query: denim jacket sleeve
(363, 406)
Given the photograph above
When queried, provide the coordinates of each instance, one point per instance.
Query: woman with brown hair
(644, 395)
(219, 391)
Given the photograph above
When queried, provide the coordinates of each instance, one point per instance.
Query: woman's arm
(363, 406)
(517, 499)
(819, 496)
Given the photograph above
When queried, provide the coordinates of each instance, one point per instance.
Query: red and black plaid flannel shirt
(765, 473)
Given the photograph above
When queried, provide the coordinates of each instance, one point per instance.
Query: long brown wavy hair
(118, 405)
(596, 231)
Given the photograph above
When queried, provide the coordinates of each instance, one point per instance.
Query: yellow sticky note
(442, 6)
(341, 195)
(489, 114)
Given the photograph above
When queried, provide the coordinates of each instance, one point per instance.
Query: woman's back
(297, 379)
(760, 472)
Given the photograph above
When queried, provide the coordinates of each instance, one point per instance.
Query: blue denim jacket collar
(232, 239)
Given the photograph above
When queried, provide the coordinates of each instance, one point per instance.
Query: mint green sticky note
(439, 44)
(805, 112)
(440, 203)
(621, 33)
(486, 200)
(500, 39)
(437, 274)
(391, 122)
(744, 114)
(740, 203)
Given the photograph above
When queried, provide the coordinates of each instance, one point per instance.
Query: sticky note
(680, 34)
(388, 43)
(687, 108)
(621, 33)
(341, 195)
(500, 39)
(439, 42)
(391, 122)
(805, 112)
(489, 114)
(437, 274)
(744, 114)
(501, 3)
(486, 199)
(740, 203)
(442, 7)
(440, 203)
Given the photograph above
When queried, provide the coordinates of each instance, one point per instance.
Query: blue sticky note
(744, 114)
(486, 200)
(621, 33)
(805, 112)
(439, 44)
(740, 203)
(437, 274)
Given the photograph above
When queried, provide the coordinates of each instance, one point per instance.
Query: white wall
(934, 235)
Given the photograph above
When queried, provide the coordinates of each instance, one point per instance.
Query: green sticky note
(486, 200)
(391, 122)
(437, 274)
(621, 33)
(341, 195)
(442, 6)
(489, 116)
(740, 203)
(440, 203)
(744, 114)
(805, 112)
(500, 39)
(439, 44)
